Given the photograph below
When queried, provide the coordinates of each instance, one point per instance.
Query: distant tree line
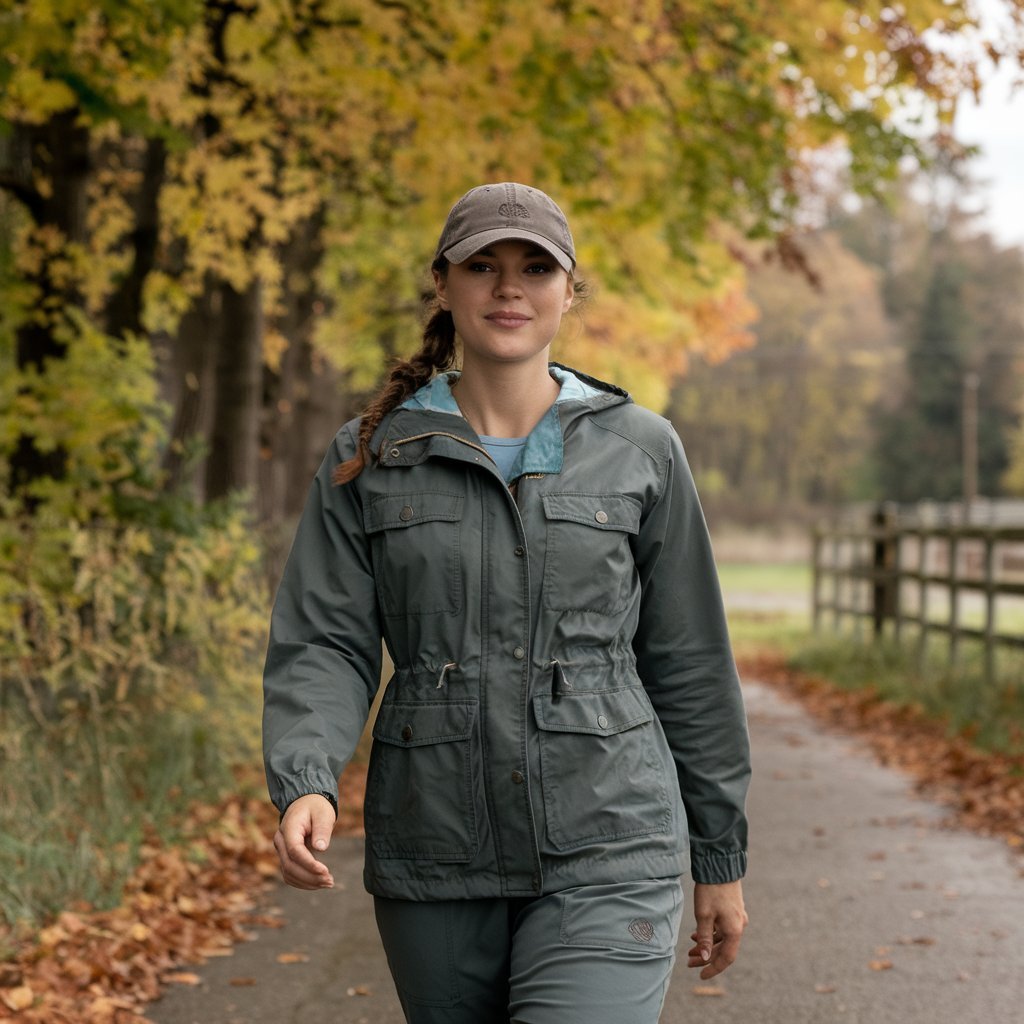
(858, 385)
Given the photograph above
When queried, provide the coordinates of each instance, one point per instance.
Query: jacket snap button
(517, 778)
(406, 514)
(407, 733)
(601, 517)
(602, 721)
(518, 653)
(394, 453)
(519, 551)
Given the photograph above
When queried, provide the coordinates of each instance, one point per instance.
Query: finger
(300, 875)
(295, 833)
(323, 826)
(704, 937)
(724, 956)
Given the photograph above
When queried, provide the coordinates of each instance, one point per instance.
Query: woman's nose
(507, 283)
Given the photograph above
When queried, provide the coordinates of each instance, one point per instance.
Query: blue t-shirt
(504, 451)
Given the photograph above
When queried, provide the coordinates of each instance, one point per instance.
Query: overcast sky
(997, 125)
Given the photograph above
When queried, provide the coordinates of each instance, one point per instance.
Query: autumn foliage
(215, 222)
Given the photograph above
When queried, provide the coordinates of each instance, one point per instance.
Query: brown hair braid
(437, 353)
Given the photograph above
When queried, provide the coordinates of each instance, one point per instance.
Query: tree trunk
(188, 384)
(56, 153)
(234, 437)
(124, 310)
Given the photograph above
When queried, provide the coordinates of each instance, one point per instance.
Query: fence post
(922, 593)
(953, 583)
(836, 604)
(883, 559)
(816, 579)
(990, 608)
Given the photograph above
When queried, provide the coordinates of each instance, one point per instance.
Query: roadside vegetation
(957, 697)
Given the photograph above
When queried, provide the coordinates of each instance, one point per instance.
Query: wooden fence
(886, 572)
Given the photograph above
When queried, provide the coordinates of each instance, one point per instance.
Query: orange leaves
(182, 904)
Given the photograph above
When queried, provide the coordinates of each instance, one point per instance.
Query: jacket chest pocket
(417, 562)
(419, 791)
(588, 565)
(604, 767)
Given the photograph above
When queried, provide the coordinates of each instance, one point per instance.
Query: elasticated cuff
(718, 868)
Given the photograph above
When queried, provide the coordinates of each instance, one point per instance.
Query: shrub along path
(866, 903)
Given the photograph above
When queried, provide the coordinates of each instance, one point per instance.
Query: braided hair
(436, 354)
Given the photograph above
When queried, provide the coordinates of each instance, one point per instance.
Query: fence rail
(888, 570)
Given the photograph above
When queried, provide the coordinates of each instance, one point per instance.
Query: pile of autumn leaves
(193, 901)
(183, 904)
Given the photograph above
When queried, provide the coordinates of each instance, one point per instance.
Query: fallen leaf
(182, 978)
(292, 958)
(824, 883)
(708, 990)
(10, 976)
(242, 982)
(359, 990)
(824, 990)
(17, 999)
(881, 965)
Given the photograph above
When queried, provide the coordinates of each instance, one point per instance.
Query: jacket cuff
(718, 868)
(285, 793)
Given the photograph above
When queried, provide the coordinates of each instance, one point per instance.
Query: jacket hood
(433, 409)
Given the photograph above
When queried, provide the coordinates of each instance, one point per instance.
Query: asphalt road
(865, 909)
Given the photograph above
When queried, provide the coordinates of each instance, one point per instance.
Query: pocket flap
(601, 511)
(416, 724)
(600, 713)
(394, 511)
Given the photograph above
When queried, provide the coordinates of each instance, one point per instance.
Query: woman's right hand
(306, 826)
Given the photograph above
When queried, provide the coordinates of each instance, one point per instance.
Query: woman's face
(507, 302)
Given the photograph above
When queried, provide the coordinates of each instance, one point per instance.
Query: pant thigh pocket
(419, 791)
(641, 916)
(419, 940)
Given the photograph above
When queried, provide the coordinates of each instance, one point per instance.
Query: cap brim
(461, 251)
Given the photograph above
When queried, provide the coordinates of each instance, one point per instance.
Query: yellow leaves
(32, 97)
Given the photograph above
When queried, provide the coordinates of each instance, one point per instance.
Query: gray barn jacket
(565, 708)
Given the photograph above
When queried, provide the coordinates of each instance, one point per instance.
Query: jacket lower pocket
(419, 792)
(603, 773)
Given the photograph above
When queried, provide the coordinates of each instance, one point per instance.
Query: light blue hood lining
(543, 452)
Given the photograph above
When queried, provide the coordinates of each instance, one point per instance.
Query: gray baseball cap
(494, 213)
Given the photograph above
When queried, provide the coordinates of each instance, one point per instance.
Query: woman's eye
(478, 267)
(539, 268)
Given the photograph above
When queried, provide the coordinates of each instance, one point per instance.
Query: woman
(564, 725)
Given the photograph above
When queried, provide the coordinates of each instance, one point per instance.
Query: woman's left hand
(721, 918)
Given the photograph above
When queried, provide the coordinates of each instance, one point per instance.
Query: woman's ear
(441, 289)
(570, 293)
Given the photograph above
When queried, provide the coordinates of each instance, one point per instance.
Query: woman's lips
(507, 318)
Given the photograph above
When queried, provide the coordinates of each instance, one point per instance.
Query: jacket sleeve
(324, 656)
(685, 662)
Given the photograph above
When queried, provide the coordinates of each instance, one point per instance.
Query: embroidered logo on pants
(641, 929)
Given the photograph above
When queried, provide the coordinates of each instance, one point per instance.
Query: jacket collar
(430, 422)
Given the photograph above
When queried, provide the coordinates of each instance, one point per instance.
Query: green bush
(131, 627)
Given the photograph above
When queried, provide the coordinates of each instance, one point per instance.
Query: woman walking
(564, 733)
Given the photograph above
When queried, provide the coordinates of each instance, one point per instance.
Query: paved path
(864, 909)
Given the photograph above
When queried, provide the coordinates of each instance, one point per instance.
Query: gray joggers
(596, 954)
